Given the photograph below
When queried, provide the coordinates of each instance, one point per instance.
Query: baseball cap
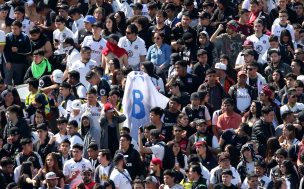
(108, 107)
(220, 66)
(241, 73)
(232, 24)
(98, 24)
(151, 179)
(266, 91)
(205, 15)
(42, 126)
(76, 104)
(89, 18)
(200, 143)
(24, 141)
(248, 51)
(51, 176)
(247, 43)
(157, 161)
(227, 172)
(137, 6)
(273, 50)
(14, 131)
(57, 76)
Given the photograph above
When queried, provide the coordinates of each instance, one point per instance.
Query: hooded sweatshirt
(89, 136)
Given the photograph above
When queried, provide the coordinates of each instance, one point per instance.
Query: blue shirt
(159, 56)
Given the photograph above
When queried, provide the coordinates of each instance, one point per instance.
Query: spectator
(119, 175)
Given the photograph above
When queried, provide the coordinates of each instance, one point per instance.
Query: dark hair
(35, 30)
(60, 19)
(74, 74)
(127, 136)
(116, 63)
(169, 173)
(252, 175)
(283, 11)
(109, 183)
(114, 25)
(84, 49)
(278, 183)
(273, 38)
(73, 123)
(92, 91)
(258, 106)
(281, 152)
(65, 85)
(149, 66)
(157, 111)
(33, 82)
(182, 63)
(196, 168)
(281, 80)
(291, 75)
(15, 109)
(17, 23)
(122, 24)
(162, 12)
(126, 129)
(210, 71)
(115, 73)
(65, 141)
(39, 52)
(266, 110)
(228, 101)
(180, 156)
(299, 83)
(26, 169)
(133, 28)
(285, 32)
(272, 146)
(107, 153)
(78, 146)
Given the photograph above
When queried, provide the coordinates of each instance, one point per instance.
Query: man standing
(134, 45)
(263, 129)
(72, 168)
(17, 46)
(103, 170)
(119, 175)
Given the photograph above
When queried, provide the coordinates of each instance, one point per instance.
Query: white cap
(76, 105)
(57, 76)
(50, 176)
(301, 78)
(220, 66)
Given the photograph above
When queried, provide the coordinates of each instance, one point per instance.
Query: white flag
(140, 96)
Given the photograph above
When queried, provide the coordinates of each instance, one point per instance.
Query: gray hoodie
(92, 136)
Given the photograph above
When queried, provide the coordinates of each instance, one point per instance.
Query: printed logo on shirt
(102, 92)
(136, 47)
(83, 166)
(189, 80)
(130, 53)
(41, 83)
(64, 35)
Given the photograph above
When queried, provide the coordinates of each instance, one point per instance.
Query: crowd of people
(233, 72)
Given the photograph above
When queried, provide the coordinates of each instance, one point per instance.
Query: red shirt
(225, 122)
(90, 185)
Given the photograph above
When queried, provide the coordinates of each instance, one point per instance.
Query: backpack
(169, 159)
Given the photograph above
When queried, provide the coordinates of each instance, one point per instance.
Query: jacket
(261, 132)
(104, 124)
(91, 136)
(233, 93)
(24, 129)
(283, 67)
(260, 83)
(22, 42)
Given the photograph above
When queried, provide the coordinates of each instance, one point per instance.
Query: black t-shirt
(231, 137)
(188, 83)
(113, 140)
(82, 34)
(103, 88)
(222, 186)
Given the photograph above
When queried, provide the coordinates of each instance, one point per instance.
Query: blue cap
(90, 19)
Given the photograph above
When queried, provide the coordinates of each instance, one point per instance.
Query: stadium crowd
(233, 71)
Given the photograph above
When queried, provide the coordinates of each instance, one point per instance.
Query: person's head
(51, 179)
(42, 130)
(33, 84)
(147, 67)
(169, 177)
(35, 33)
(227, 177)
(60, 22)
(62, 123)
(298, 7)
(272, 146)
(244, 15)
(51, 162)
(287, 168)
(177, 131)
(147, 130)
(77, 150)
(224, 160)
(73, 77)
(170, 10)
(260, 168)
(288, 116)
(277, 76)
(156, 114)
(186, 20)
(131, 32)
(174, 104)
(255, 108)
(19, 13)
(63, 10)
(74, 12)
(138, 184)
(195, 171)
(114, 64)
(283, 16)
(72, 127)
(289, 131)
(280, 183)
(254, 6)
(267, 114)
(111, 24)
(151, 182)
(282, 4)
(247, 152)
(65, 89)
(27, 169)
(201, 148)
(253, 181)
(228, 105)
(99, 14)
(183, 119)
(7, 165)
(280, 155)
(65, 146)
(14, 134)
(125, 141)
(290, 80)
(296, 66)
(156, 165)
(252, 69)
(114, 96)
(85, 53)
(232, 27)
(201, 126)
(92, 96)
(119, 160)
(152, 9)
(27, 145)
(87, 175)
(181, 67)
(275, 56)
(161, 16)
(159, 37)
(13, 113)
(292, 95)
(211, 76)
(16, 27)
(104, 156)
(97, 28)
(299, 87)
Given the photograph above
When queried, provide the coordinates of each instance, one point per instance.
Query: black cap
(194, 95)
(89, 75)
(41, 99)
(201, 51)
(42, 126)
(19, 9)
(270, 51)
(4, 6)
(25, 141)
(227, 172)
(137, 6)
(205, 15)
(188, 2)
(187, 36)
(98, 24)
(14, 131)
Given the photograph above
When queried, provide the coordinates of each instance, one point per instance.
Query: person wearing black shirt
(200, 68)
(282, 5)
(184, 27)
(170, 116)
(101, 85)
(104, 5)
(63, 11)
(226, 180)
(12, 147)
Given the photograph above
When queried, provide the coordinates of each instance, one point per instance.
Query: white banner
(140, 96)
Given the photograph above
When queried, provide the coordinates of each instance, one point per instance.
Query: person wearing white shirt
(73, 167)
(283, 24)
(72, 129)
(96, 42)
(27, 25)
(84, 65)
(72, 55)
(62, 134)
(119, 175)
(60, 34)
(2, 44)
(78, 23)
(259, 39)
(292, 104)
(102, 171)
(134, 45)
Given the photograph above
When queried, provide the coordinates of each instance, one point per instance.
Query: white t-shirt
(61, 36)
(96, 47)
(135, 49)
(158, 151)
(235, 181)
(2, 42)
(261, 44)
(121, 180)
(296, 108)
(72, 58)
(102, 173)
(60, 137)
(71, 166)
(27, 25)
(83, 69)
(95, 112)
(243, 99)
(78, 25)
(277, 28)
(74, 140)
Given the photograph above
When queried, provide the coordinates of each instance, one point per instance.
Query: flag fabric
(139, 97)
